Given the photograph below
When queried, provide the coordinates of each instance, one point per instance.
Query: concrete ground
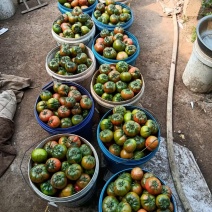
(23, 51)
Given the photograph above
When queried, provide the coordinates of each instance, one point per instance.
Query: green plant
(193, 35)
(207, 3)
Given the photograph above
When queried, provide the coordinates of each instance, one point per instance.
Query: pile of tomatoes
(73, 24)
(139, 191)
(63, 166)
(129, 134)
(114, 45)
(63, 107)
(83, 4)
(117, 82)
(111, 13)
(70, 60)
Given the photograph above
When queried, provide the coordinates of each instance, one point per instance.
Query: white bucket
(104, 106)
(83, 78)
(197, 75)
(75, 200)
(86, 39)
(7, 9)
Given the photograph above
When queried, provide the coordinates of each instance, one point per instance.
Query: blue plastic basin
(83, 129)
(88, 10)
(115, 163)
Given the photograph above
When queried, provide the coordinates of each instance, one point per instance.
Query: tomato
(119, 45)
(130, 49)
(125, 154)
(131, 128)
(99, 47)
(86, 103)
(109, 87)
(114, 76)
(166, 190)
(119, 137)
(41, 105)
(39, 155)
(56, 28)
(152, 125)
(83, 181)
(121, 187)
(73, 140)
(116, 119)
(102, 78)
(124, 207)
(99, 40)
(64, 166)
(76, 119)
(140, 117)
(53, 165)
(63, 90)
(69, 102)
(140, 142)
(137, 155)
(110, 204)
(98, 88)
(137, 173)
(45, 95)
(76, 94)
(151, 143)
(106, 124)
(109, 53)
(104, 68)
(54, 122)
(106, 135)
(81, 68)
(88, 162)
(59, 180)
(101, 7)
(135, 86)
(136, 187)
(141, 210)
(67, 191)
(56, 96)
(107, 96)
(128, 41)
(118, 29)
(47, 188)
(162, 201)
(120, 85)
(135, 73)
(110, 189)
(127, 94)
(59, 151)
(115, 149)
(126, 176)
(63, 112)
(145, 131)
(145, 177)
(128, 116)
(76, 110)
(125, 76)
(119, 109)
(53, 104)
(49, 146)
(74, 171)
(148, 202)
(65, 123)
(108, 41)
(85, 150)
(122, 66)
(117, 98)
(129, 145)
(153, 185)
(74, 155)
(133, 199)
(70, 66)
(39, 174)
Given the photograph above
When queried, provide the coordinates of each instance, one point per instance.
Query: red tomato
(45, 115)
(137, 173)
(128, 41)
(53, 165)
(153, 185)
(63, 112)
(99, 47)
(151, 143)
(100, 40)
(54, 122)
(56, 96)
(86, 103)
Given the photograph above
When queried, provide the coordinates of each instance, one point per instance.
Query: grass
(193, 34)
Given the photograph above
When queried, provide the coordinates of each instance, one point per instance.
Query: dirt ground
(23, 52)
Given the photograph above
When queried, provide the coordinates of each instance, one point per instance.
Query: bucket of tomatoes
(65, 107)
(128, 136)
(73, 27)
(73, 63)
(116, 84)
(87, 6)
(63, 169)
(138, 190)
(111, 14)
(116, 45)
